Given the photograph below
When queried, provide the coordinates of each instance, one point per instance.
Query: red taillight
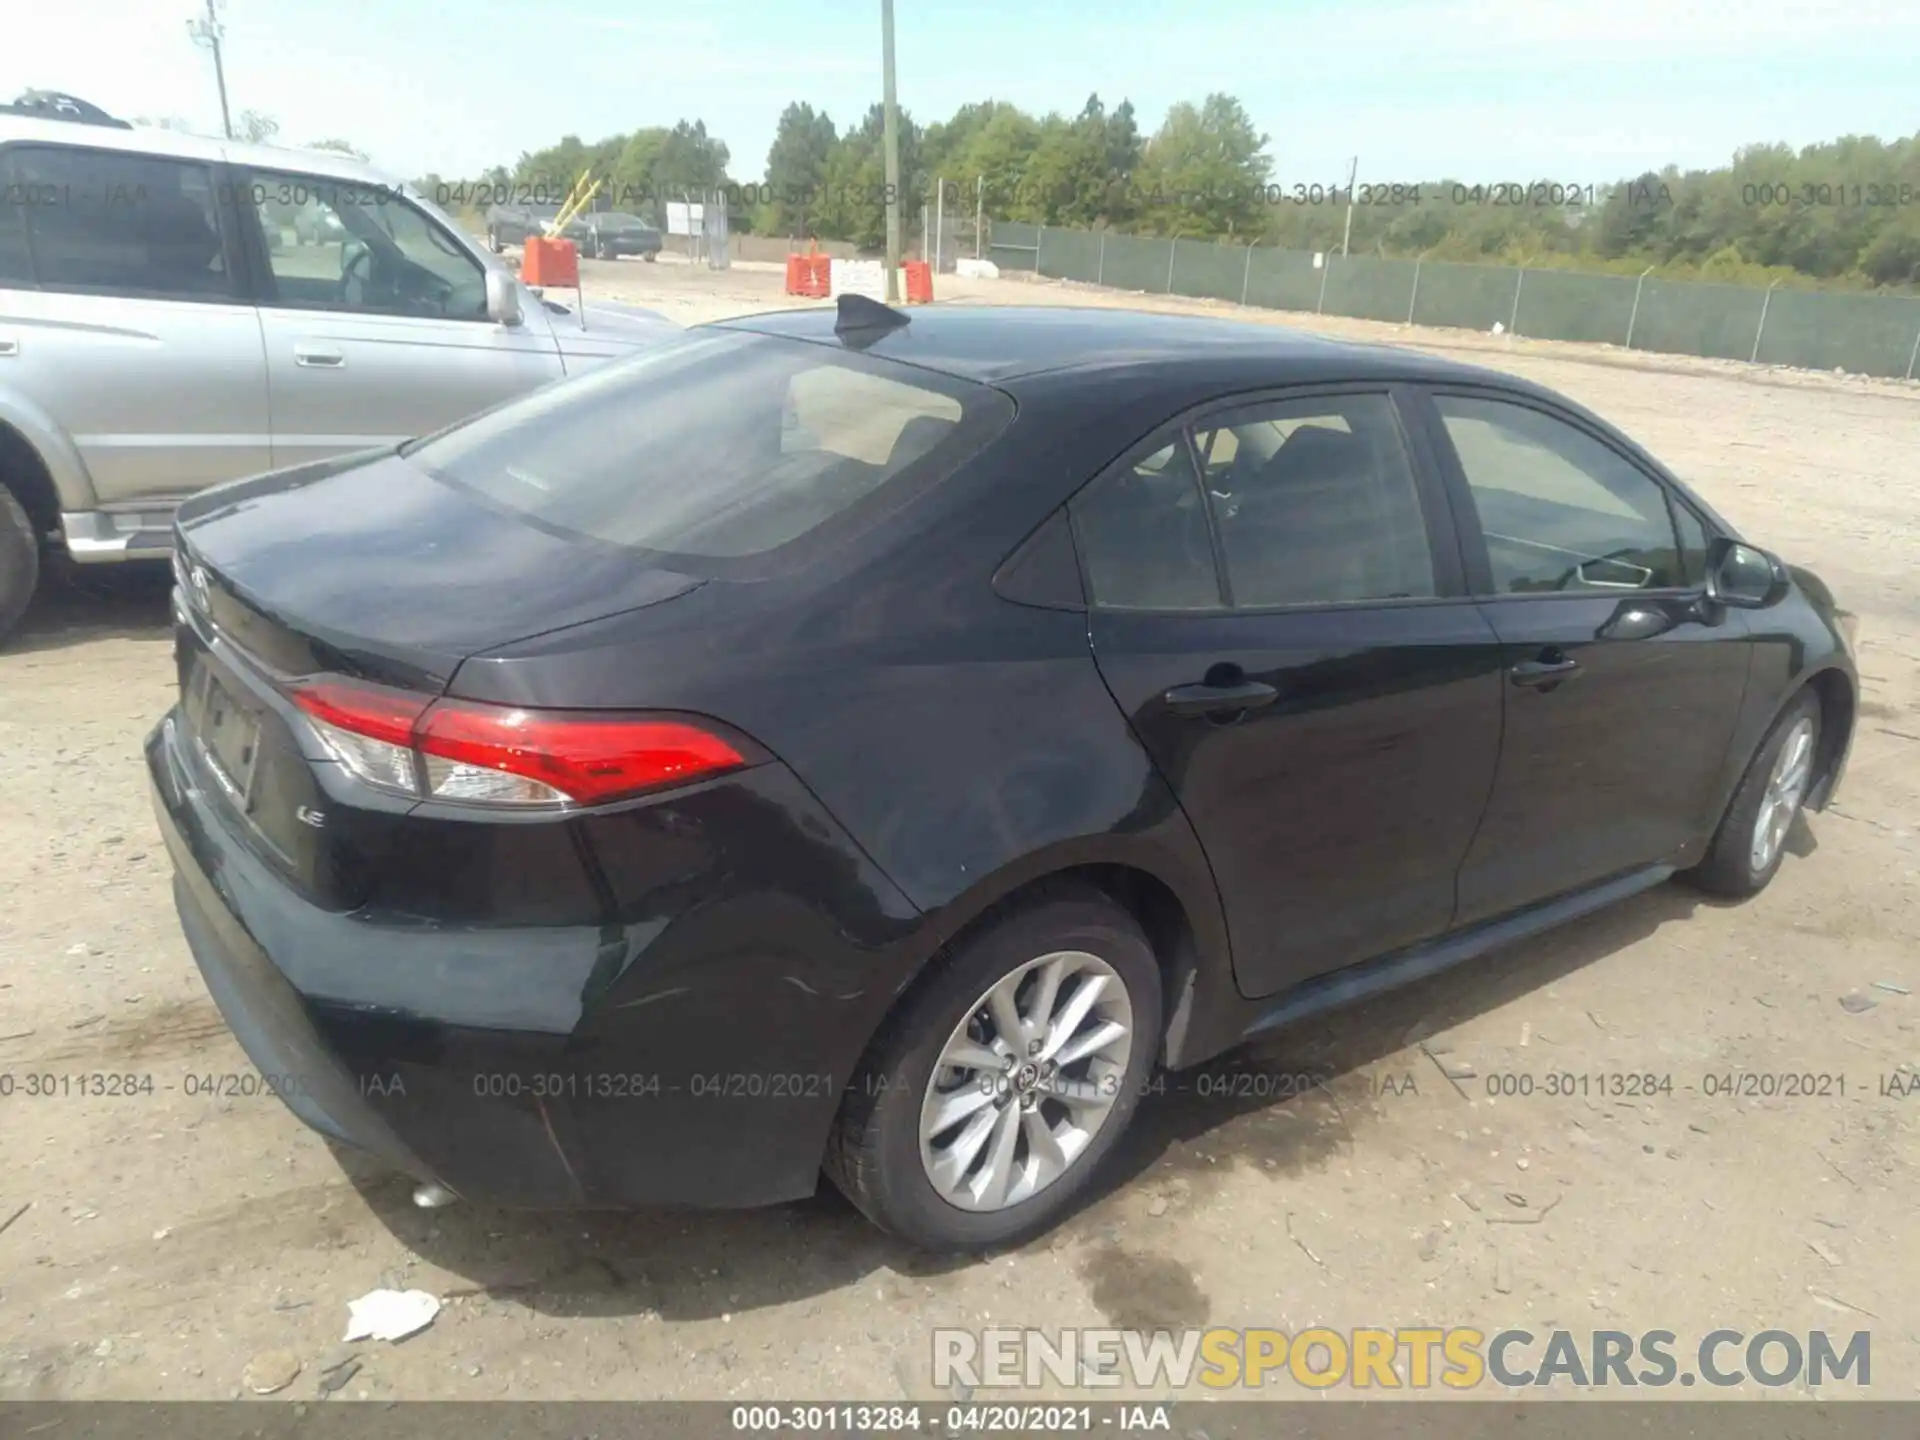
(463, 751)
(370, 710)
(585, 758)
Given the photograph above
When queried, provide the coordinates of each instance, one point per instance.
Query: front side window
(337, 245)
(1693, 544)
(717, 445)
(107, 222)
(1315, 503)
(1561, 511)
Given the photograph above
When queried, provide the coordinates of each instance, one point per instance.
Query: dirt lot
(173, 1238)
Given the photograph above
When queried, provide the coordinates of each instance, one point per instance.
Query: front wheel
(993, 1094)
(1752, 839)
(19, 561)
(651, 256)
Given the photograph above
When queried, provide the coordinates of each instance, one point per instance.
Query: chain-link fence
(1822, 330)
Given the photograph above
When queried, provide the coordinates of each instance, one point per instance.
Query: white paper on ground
(390, 1314)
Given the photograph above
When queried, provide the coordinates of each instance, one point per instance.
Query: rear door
(1622, 684)
(123, 315)
(377, 331)
(1278, 607)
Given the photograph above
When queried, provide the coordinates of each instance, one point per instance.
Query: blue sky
(1479, 90)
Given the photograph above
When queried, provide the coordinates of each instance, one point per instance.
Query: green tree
(797, 164)
(853, 199)
(1070, 178)
(690, 159)
(1204, 172)
(998, 144)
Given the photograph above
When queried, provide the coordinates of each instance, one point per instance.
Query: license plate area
(226, 733)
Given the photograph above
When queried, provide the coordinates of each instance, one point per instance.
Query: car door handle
(1220, 699)
(320, 359)
(1544, 673)
(9, 347)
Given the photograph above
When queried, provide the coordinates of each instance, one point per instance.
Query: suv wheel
(19, 561)
(1752, 838)
(993, 1094)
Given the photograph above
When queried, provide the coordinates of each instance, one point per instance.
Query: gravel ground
(187, 1245)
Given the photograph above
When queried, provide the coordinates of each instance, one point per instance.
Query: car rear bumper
(706, 1076)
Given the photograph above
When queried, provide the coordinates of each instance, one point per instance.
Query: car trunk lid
(371, 567)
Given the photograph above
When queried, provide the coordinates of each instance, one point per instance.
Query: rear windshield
(718, 445)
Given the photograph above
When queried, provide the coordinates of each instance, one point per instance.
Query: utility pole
(1346, 235)
(208, 32)
(892, 142)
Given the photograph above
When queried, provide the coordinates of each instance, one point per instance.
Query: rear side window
(14, 266)
(1315, 503)
(112, 223)
(1143, 534)
(719, 446)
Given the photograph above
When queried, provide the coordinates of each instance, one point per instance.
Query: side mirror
(503, 298)
(1743, 576)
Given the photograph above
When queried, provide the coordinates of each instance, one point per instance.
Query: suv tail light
(462, 751)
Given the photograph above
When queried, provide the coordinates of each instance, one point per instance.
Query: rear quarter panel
(965, 742)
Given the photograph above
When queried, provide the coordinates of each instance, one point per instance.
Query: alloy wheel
(1786, 788)
(1026, 1081)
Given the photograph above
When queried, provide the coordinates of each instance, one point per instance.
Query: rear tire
(1751, 842)
(911, 1170)
(19, 561)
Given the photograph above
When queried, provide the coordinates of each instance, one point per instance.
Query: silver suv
(178, 311)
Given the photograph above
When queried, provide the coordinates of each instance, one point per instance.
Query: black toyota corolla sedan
(839, 741)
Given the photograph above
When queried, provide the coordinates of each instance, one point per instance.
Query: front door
(1622, 684)
(1277, 607)
(375, 320)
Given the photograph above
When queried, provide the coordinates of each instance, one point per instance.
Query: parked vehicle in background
(603, 234)
(1022, 700)
(609, 234)
(158, 333)
(509, 224)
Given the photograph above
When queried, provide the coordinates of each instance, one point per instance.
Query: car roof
(993, 343)
(181, 145)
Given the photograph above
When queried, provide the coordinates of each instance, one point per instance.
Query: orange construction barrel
(548, 261)
(919, 282)
(796, 274)
(816, 278)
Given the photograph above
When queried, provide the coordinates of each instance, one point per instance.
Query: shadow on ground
(76, 604)
(1283, 1106)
